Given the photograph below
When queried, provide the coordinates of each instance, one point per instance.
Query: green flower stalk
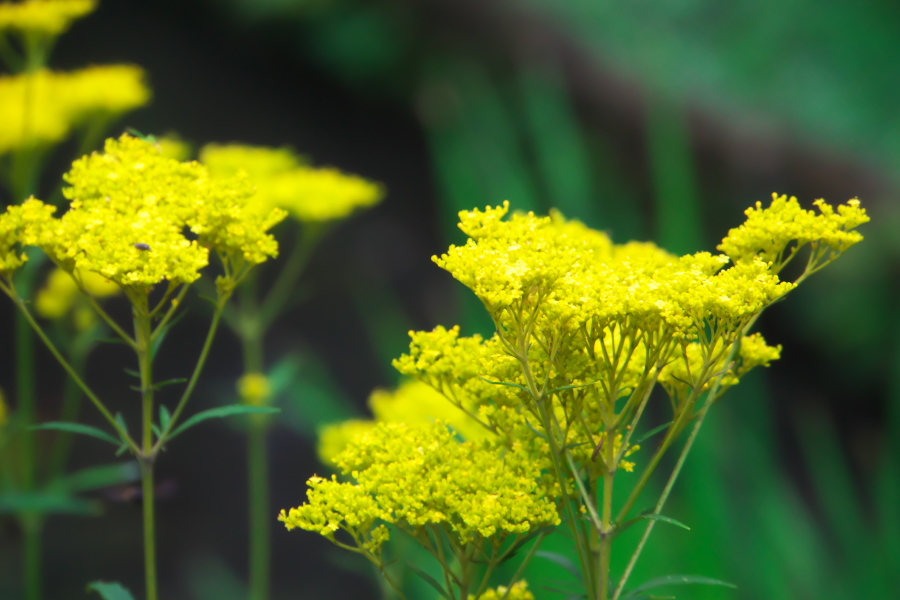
(140, 220)
(314, 198)
(585, 331)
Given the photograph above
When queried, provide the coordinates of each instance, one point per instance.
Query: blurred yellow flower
(43, 108)
(60, 293)
(43, 17)
(283, 180)
(254, 389)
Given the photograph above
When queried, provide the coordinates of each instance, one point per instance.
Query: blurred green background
(651, 120)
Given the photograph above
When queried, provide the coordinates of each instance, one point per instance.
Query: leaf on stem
(563, 561)
(674, 580)
(670, 520)
(51, 502)
(98, 477)
(653, 432)
(430, 580)
(515, 385)
(110, 590)
(222, 411)
(79, 428)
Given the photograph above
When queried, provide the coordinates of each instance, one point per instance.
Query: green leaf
(223, 411)
(430, 580)
(562, 561)
(514, 549)
(79, 428)
(515, 385)
(541, 435)
(164, 416)
(110, 590)
(159, 336)
(98, 477)
(132, 372)
(45, 502)
(570, 387)
(163, 384)
(675, 580)
(670, 520)
(653, 432)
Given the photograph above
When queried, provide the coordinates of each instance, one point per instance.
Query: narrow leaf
(543, 436)
(222, 411)
(562, 561)
(110, 590)
(515, 385)
(430, 580)
(670, 520)
(79, 428)
(46, 503)
(653, 432)
(514, 549)
(570, 387)
(98, 477)
(675, 580)
(132, 372)
(163, 384)
(164, 416)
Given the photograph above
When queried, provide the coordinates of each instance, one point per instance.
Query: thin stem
(260, 545)
(149, 503)
(195, 376)
(286, 282)
(123, 434)
(662, 501)
(143, 337)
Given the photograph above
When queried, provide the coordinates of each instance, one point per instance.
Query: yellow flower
(254, 389)
(413, 475)
(283, 180)
(44, 17)
(130, 206)
(60, 293)
(43, 108)
(518, 591)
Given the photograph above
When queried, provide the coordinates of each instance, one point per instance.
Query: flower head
(285, 181)
(43, 17)
(44, 107)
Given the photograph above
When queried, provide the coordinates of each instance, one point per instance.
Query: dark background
(658, 121)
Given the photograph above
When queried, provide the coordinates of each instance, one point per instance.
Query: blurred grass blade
(679, 226)
(559, 146)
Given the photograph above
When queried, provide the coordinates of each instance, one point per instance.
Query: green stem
(258, 480)
(195, 376)
(123, 434)
(149, 503)
(143, 334)
(286, 283)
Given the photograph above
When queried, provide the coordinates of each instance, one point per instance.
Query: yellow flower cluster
(592, 326)
(43, 108)
(283, 180)
(421, 475)
(773, 234)
(130, 208)
(518, 591)
(43, 17)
